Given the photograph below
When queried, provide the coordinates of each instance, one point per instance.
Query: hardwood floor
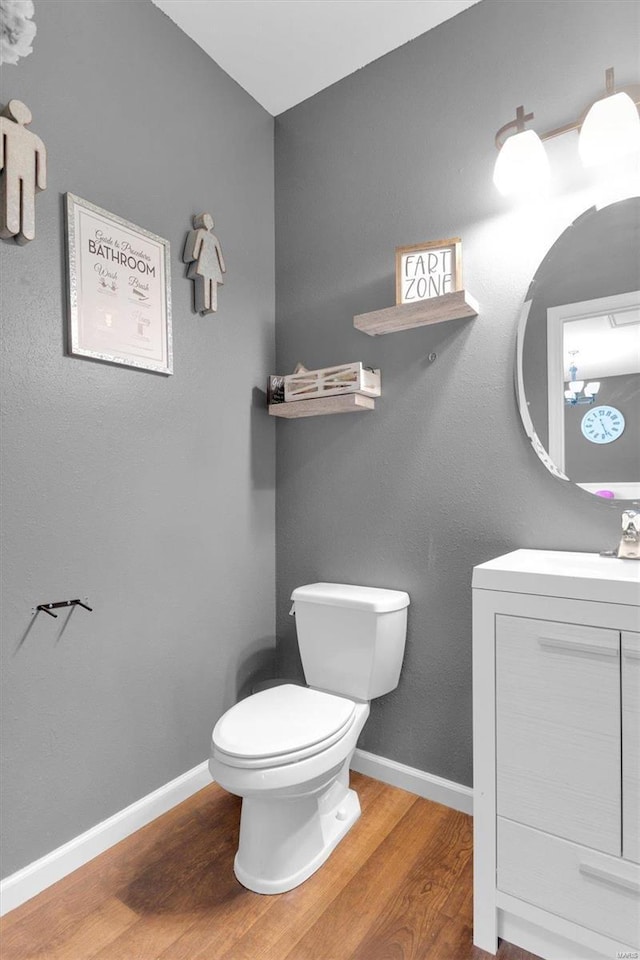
(398, 887)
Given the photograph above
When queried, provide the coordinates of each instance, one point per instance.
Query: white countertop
(553, 573)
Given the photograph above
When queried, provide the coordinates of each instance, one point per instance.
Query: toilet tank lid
(375, 599)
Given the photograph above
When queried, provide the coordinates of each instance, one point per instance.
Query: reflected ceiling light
(574, 393)
(609, 128)
(625, 318)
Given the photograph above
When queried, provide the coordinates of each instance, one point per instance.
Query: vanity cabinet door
(631, 746)
(558, 729)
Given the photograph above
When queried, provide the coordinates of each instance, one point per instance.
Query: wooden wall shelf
(405, 316)
(345, 403)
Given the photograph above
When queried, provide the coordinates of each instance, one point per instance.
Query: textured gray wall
(152, 496)
(441, 476)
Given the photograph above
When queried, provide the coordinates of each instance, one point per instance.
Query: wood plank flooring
(398, 887)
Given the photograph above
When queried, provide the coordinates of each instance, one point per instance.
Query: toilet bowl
(294, 782)
(286, 750)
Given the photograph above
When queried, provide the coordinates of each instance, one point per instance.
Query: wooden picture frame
(119, 293)
(427, 270)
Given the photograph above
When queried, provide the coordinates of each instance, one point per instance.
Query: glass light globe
(576, 385)
(522, 166)
(592, 388)
(610, 130)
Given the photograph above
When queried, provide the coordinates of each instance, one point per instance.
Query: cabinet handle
(597, 873)
(631, 653)
(578, 646)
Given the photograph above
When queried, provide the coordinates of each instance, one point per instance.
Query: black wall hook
(49, 607)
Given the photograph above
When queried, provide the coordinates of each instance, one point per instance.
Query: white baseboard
(40, 874)
(451, 794)
(37, 876)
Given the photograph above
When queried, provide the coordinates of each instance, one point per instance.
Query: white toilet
(286, 750)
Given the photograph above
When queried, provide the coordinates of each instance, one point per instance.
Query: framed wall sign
(427, 270)
(119, 290)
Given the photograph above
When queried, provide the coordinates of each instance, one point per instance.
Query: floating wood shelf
(345, 403)
(450, 306)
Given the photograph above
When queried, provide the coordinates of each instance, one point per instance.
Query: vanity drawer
(600, 892)
(558, 729)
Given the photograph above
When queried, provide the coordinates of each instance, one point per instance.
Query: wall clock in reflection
(602, 424)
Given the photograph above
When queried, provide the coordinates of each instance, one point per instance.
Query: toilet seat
(280, 726)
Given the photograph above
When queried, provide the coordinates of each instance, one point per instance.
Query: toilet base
(283, 842)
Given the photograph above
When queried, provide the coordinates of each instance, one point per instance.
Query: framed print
(119, 290)
(428, 269)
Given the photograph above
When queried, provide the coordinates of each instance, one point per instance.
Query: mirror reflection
(578, 362)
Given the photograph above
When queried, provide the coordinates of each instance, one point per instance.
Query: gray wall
(152, 496)
(441, 476)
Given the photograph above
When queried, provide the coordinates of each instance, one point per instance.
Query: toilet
(286, 750)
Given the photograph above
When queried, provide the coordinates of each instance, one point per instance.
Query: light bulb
(576, 385)
(522, 166)
(611, 129)
(592, 388)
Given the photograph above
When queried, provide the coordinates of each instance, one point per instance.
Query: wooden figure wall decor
(23, 172)
(203, 253)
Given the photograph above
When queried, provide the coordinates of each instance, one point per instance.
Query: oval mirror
(578, 354)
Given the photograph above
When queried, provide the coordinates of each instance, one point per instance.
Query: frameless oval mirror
(578, 354)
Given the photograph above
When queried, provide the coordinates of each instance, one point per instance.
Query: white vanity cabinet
(556, 659)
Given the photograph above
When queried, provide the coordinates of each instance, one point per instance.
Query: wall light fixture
(609, 128)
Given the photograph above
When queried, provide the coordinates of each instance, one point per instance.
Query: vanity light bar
(518, 125)
(609, 128)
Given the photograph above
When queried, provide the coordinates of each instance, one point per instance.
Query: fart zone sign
(427, 270)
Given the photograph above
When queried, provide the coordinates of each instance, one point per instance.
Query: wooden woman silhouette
(203, 253)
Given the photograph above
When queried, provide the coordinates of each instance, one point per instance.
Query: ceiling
(604, 345)
(283, 51)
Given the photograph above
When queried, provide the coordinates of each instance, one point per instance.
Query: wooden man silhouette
(23, 172)
(203, 253)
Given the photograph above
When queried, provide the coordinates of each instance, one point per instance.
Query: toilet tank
(351, 638)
